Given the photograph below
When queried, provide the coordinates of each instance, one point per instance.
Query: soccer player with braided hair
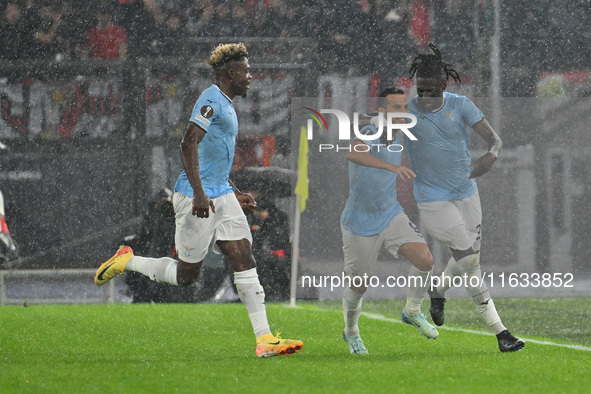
(445, 188)
(208, 206)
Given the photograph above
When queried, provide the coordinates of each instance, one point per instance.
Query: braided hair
(432, 66)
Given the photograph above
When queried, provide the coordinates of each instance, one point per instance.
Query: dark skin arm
(485, 163)
(246, 201)
(190, 159)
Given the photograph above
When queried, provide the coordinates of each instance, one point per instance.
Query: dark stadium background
(91, 140)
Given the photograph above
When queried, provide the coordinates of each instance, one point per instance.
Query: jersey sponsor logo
(206, 111)
(202, 120)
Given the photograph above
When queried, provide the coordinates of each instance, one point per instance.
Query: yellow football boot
(114, 266)
(269, 346)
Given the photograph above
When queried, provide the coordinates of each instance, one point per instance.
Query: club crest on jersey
(206, 111)
(451, 115)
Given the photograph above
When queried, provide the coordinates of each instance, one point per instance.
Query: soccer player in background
(208, 207)
(373, 218)
(444, 187)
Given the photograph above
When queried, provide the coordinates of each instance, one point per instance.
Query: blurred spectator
(338, 36)
(569, 33)
(168, 7)
(137, 18)
(78, 18)
(271, 247)
(229, 20)
(523, 49)
(454, 31)
(200, 18)
(43, 25)
(13, 32)
(393, 22)
(383, 43)
(271, 19)
(106, 40)
(303, 19)
(172, 36)
(155, 238)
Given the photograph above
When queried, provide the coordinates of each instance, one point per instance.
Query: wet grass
(210, 348)
(561, 319)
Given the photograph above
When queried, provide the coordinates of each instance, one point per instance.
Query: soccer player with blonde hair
(208, 206)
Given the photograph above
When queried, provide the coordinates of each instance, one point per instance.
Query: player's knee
(187, 273)
(424, 263)
(469, 264)
(423, 259)
(238, 253)
(241, 260)
(427, 261)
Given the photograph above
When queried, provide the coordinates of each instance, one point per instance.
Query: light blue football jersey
(214, 113)
(440, 157)
(372, 201)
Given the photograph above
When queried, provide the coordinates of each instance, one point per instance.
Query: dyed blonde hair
(225, 53)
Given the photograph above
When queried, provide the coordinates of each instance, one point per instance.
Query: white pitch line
(376, 316)
(548, 343)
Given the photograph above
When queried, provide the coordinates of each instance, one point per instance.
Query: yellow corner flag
(301, 188)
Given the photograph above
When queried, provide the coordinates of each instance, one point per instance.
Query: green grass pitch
(210, 348)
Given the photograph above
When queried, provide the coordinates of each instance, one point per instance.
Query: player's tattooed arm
(190, 159)
(485, 163)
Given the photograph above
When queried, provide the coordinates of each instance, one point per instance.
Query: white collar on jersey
(222, 92)
(435, 110)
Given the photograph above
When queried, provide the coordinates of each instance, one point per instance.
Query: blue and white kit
(214, 113)
(446, 196)
(441, 156)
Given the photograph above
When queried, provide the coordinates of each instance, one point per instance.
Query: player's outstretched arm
(364, 158)
(485, 163)
(190, 159)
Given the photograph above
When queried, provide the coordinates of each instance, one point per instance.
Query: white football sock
(470, 265)
(161, 269)
(450, 272)
(351, 310)
(252, 296)
(418, 283)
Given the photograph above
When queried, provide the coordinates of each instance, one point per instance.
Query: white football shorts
(456, 224)
(361, 252)
(193, 234)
